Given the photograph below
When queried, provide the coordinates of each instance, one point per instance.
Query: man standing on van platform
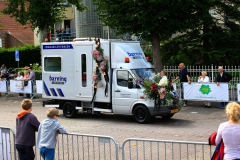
(222, 76)
(184, 77)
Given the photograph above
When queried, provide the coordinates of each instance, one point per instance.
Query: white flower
(163, 82)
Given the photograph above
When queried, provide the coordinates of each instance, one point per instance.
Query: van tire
(167, 116)
(69, 110)
(141, 114)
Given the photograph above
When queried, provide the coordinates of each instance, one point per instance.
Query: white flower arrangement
(163, 82)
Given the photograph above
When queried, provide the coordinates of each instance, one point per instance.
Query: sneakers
(184, 103)
(221, 107)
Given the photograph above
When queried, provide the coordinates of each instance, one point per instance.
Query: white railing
(212, 71)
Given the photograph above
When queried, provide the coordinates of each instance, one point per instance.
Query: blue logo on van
(58, 80)
(134, 54)
(58, 46)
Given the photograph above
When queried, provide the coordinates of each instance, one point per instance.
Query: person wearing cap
(47, 134)
(31, 78)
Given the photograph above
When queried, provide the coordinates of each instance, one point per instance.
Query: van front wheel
(69, 110)
(141, 114)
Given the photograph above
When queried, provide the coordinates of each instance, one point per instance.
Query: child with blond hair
(229, 132)
(47, 134)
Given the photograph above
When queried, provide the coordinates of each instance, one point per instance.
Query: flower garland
(160, 91)
(101, 68)
(101, 65)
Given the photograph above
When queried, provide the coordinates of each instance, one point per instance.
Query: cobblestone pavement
(192, 123)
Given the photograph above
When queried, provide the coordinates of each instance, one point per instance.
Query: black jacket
(226, 77)
(26, 126)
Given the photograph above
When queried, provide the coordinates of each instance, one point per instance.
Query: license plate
(174, 111)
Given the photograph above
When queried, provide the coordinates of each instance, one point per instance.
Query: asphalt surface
(192, 123)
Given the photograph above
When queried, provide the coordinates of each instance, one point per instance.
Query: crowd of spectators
(28, 75)
(63, 34)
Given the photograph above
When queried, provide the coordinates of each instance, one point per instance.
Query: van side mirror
(137, 86)
(130, 83)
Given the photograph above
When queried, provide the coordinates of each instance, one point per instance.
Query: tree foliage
(214, 39)
(39, 13)
(154, 20)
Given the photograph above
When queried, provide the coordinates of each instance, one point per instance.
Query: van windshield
(144, 73)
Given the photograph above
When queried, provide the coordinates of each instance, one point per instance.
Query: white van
(67, 79)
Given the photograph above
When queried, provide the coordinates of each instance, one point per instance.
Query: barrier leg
(7, 95)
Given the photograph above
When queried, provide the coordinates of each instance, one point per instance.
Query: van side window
(122, 78)
(52, 64)
(84, 66)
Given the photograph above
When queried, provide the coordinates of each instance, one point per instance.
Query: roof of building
(23, 33)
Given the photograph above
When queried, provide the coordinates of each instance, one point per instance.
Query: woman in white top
(19, 78)
(229, 132)
(204, 79)
(164, 80)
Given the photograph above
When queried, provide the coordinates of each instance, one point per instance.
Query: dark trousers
(25, 152)
(28, 96)
(223, 104)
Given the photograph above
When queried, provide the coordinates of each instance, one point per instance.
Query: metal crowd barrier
(151, 149)
(73, 146)
(16, 86)
(85, 146)
(232, 89)
(7, 144)
(69, 146)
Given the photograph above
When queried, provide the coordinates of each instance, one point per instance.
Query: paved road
(192, 123)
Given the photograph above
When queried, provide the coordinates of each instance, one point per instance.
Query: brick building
(12, 33)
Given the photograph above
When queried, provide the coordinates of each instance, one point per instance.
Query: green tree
(154, 20)
(214, 39)
(39, 14)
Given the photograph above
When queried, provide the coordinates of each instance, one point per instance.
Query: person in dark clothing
(184, 77)
(222, 76)
(26, 126)
(3, 75)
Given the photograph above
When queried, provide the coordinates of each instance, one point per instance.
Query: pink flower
(95, 77)
(162, 90)
(95, 52)
(102, 67)
(103, 63)
(99, 57)
(162, 96)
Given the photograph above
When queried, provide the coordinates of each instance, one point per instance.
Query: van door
(83, 65)
(123, 97)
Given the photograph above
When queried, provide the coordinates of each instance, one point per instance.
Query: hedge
(28, 54)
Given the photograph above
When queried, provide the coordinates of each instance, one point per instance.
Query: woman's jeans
(47, 154)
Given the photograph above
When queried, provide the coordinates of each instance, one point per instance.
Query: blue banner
(58, 46)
